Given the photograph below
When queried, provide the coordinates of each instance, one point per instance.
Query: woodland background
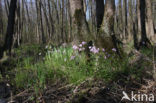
(76, 51)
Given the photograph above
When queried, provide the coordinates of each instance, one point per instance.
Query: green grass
(57, 64)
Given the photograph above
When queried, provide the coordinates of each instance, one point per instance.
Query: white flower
(40, 54)
(65, 59)
(46, 47)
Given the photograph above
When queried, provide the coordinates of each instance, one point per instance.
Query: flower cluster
(94, 49)
(80, 47)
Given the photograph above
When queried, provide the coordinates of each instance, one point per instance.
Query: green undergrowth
(70, 66)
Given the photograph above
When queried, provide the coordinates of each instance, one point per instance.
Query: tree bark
(46, 18)
(120, 17)
(10, 27)
(39, 20)
(81, 30)
(1, 17)
(125, 22)
(99, 13)
(107, 38)
(51, 19)
(149, 21)
(141, 7)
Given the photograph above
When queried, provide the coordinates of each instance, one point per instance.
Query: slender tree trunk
(120, 17)
(39, 20)
(6, 6)
(149, 21)
(51, 19)
(142, 25)
(125, 22)
(46, 18)
(10, 27)
(70, 37)
(1, 19)
(139, 20)
(26, 5)
(130, 20)
(62, 27)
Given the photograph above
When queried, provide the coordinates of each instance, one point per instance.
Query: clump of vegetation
(69, 64)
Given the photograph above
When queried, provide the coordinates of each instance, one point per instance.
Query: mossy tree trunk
(80, 27)
(106, 38)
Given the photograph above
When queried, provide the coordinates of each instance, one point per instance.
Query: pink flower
(75, 47)
(83, 43)
(114, 49)
(105, 57)
(94, 50)
(103, 49)
(81, 49)
(72, 58)
(80, 45)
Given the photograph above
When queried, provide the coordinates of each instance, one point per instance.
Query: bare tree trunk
(149, 21)
(106, 38)
(1, 17)
(141, 23)
(62, 27)
(139, 20)
(85, 6)
(46, 18)
(70, 37)
(120, 19)
(10, 27)
(125, 33)
(130, 20)
(6, 6)
(39, 20)
(27, 11)
(51, 19)
(99, 13)
(79, 21)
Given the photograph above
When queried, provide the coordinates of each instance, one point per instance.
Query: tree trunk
(10, 27)
(99, 13)
(51, 19)
(1, 17)
(149, 21)
(125, 33)
(81, 30)
(130, 20)
(106, 38)
(46, 18)
(141, 23)
(62, 26)
(120, 18)
(39, 20)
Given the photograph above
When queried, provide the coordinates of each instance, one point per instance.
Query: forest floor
(19, 83)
